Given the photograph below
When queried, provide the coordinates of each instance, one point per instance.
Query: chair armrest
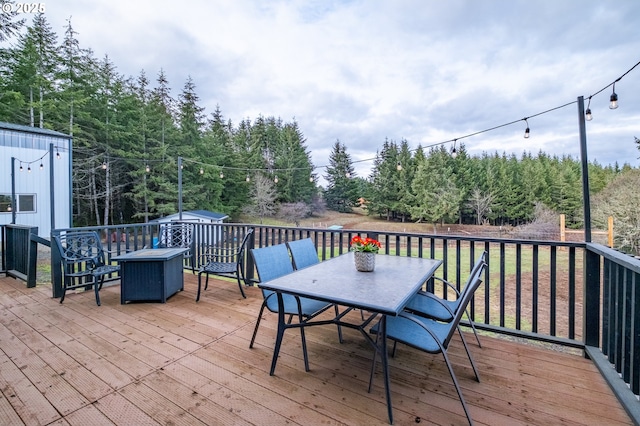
(453, 287)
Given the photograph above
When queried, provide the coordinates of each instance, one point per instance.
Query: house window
(5, 203)
(26, 203)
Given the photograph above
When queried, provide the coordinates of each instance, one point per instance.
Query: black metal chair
(83, 262)
(224, 262)
(178, 235)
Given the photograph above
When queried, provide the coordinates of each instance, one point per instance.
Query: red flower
(367, 245)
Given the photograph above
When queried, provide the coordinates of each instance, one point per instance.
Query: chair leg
(199, 285)
(473, 327)
(255, 330)
(97, 287)
(304, 341)
(455, 383)
(339, 327)
(240, 286)
(466, 348)
(373, 363)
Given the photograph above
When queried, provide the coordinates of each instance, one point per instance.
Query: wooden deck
(189, 363)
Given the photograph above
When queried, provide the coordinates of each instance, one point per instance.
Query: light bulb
(104, 166)
(613, 104)
(29, 169)
(310, 178)
(21, 167)
(221, 175)
(147, 169)
(201, 171)
(248, 178)
(588, 115)
(275, 180)
(41, 166)
(348, 175)
(526, 133)
(399, 166)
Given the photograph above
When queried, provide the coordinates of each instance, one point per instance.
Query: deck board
(188, 363)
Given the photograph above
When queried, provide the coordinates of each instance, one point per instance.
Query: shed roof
(29, 129)
(205, 214)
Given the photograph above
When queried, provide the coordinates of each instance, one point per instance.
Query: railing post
(56, 268)
(250, 267)
(591, 317)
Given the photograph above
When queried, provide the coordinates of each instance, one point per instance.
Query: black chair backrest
(179, 235)
(81, 247)
(243, 244)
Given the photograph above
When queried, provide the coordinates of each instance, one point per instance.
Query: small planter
(365, 262)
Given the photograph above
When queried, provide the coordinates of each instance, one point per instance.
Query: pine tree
(341, 194)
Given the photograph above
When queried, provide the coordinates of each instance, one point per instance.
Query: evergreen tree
(341, 194)
(9, 22)
(437, 197)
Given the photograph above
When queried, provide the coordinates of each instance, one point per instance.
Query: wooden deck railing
(580, 295)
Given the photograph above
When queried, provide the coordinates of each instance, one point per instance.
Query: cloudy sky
(362, 71)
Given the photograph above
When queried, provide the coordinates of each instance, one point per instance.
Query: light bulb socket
(613, 101)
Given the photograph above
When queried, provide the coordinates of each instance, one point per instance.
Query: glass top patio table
(384, 291)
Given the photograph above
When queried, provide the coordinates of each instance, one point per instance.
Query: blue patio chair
(223, 262)
(273, 262)
(431, 336)
(303, 253)
(429, 305)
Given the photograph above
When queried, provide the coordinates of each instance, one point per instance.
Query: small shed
(212, 236)
(200, 216)
(35, 177)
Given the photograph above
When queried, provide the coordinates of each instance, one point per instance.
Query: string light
(526, 132)
(613, 100)
(41, 166)
(29, 169)
(588, 116)
(201, 171)
(104, 165)
(21, 166)
(147, 169)
(275, 180)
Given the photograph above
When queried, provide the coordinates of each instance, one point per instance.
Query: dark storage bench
(151, 274)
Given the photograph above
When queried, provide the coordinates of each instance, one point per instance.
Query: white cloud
(361, 71)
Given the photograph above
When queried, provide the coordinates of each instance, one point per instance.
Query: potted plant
(365, 250)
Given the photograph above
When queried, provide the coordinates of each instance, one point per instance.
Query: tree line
(128, 133)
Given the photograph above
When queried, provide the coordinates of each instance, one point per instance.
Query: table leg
(385, 365)
(279, 334)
